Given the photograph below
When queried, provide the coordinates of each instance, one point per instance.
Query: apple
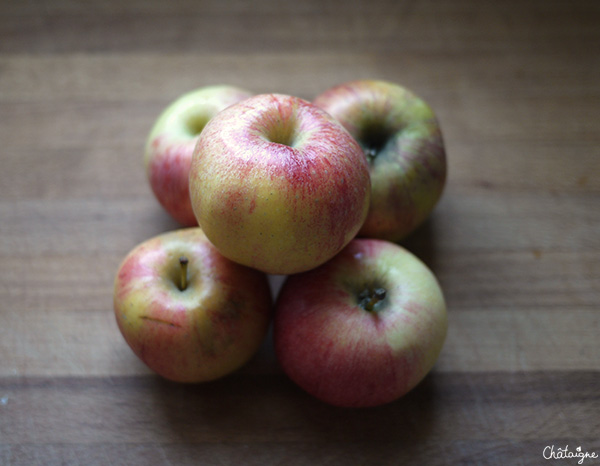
(171, 142)
(403, 142)
(187, 312)
(277, 184)
(362, 329)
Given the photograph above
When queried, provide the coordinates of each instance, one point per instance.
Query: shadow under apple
(269, 411)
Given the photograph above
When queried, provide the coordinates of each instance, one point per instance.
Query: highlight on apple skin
(171, 142)
(362, 329)
(277, 184)
(187, 312)
(402, 140)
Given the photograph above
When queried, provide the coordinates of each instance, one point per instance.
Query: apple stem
(378, 295)
(183, 261)
(370, 154)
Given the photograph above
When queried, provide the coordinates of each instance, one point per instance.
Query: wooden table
(515, 241)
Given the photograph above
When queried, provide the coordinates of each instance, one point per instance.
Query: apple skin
(336, 350)
(278, 185)
(402, 139)
(202, 333)
(171, 142)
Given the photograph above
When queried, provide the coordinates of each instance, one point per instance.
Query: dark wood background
(515, 240)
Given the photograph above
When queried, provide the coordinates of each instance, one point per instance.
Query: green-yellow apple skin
(401, 137)
(277, 184)
(171, 142)
(200, 333)
(330, 343)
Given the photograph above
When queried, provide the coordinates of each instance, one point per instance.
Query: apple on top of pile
(320, 192)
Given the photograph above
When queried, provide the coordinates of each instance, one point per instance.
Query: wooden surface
(515, 240)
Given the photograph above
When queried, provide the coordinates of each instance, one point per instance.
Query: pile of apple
(320, 192)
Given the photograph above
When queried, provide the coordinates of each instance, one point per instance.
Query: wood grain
(478, 418)
(514, 242)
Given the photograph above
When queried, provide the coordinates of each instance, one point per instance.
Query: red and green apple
(277, 184)
(362, 329)
(402, 140)
(171, 142)
(187, 312)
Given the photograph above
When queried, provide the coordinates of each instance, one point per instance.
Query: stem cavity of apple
(183, 261)
(369, 298)
(196, 123)
(374, 138)
(283, 134)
